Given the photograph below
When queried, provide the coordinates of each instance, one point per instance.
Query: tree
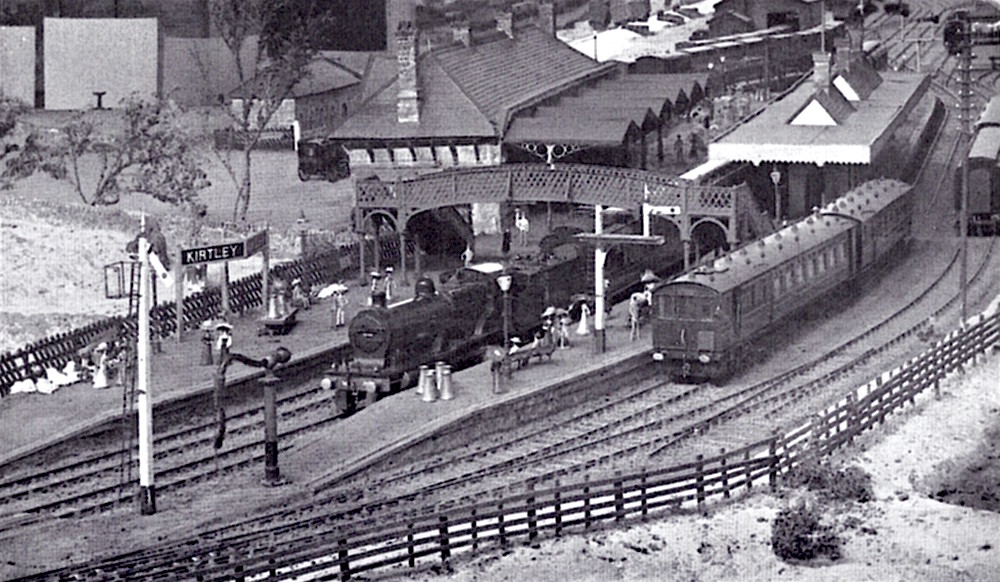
(10, 109)
(287, 33)
(149, 151)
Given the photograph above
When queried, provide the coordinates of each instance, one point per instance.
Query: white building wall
(17, 63)
(86, 55)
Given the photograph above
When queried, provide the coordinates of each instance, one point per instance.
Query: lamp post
(280, 356)
(776, 179)
(504, 281)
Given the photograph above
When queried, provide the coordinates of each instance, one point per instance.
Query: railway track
(92, 482)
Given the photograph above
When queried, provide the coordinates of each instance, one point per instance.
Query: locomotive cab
(690, 330)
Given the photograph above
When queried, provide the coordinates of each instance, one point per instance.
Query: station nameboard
(256, 242)
(223, 252)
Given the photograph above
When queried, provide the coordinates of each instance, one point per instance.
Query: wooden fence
(581, 506)
(55, 351)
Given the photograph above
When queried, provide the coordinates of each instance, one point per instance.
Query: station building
(846, 125)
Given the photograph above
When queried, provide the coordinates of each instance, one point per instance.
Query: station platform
(30, 422)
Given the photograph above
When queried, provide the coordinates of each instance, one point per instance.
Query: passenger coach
(707, 321)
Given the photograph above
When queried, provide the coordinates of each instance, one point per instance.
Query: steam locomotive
(707, 321)
(456, 319)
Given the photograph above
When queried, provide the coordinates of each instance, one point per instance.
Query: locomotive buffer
(602, 242)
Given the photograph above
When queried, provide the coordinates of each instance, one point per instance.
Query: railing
(579, 183)
(584, 505)
(55, 351)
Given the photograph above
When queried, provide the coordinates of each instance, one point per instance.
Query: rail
(55, 351)
(443, 533)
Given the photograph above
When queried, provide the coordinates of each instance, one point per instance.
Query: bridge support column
(402, 258)
(687, 254)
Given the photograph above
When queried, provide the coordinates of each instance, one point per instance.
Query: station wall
(84, 56)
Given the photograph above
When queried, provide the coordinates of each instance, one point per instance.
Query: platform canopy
(822, 134)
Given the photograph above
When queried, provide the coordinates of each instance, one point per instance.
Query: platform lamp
(504, 281)
(776, 179)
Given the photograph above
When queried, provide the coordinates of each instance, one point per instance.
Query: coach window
(799, 278)
(777, 287)
(789, 279)
(815, 266)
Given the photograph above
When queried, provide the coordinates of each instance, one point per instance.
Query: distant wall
(117, 56)
(17, 63)
(198, 71)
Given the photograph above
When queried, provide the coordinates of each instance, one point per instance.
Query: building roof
(986, 145)
(769, 137)
(324, 76)
(445, 111)
(825, 107)
(858, 81)
(501, 75)
(470, 91)
(571, 130)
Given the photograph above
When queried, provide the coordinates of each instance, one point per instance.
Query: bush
(797, 534)
(851, 483)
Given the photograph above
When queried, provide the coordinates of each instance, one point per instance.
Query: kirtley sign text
(223, 252)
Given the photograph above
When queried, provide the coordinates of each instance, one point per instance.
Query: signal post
(602, 242)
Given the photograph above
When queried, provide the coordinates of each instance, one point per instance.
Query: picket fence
(55, 351)
(527, 516)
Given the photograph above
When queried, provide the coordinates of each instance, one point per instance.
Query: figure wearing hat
(376, 287)
(224, 339)
(582, 328)
(300, 294)
(101, 372)
(339, 306)
(564, 322)
(467, 255)
(390, 283)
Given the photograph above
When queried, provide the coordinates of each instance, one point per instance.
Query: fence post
(558, 509)
(644, 502)
(619, 497)
(411, 560)
(746, 469)
(772, 473)
(586, 502)
(699, 481)
(443, 530)
(532, 522)
(239, 573)
(345, 567)
(473, 530)
(500, 528)
(725, 475)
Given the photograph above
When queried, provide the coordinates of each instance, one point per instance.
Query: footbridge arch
(683, 202)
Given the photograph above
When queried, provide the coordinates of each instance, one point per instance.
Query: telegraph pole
(965, 64)
(147, 490)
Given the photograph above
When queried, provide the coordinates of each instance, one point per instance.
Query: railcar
(707, 322)
(983, 163)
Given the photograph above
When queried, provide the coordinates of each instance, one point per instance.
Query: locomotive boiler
(707, 321)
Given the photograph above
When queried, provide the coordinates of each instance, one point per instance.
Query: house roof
(769, 137)
(324, 76)
(827, 101)
(445, 111)
(470, 91)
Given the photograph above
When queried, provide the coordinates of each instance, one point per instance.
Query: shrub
(851, 483)
(797, 534)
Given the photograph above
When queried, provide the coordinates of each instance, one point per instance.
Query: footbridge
(686, 204)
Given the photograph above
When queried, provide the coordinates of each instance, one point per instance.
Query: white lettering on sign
(223, 252)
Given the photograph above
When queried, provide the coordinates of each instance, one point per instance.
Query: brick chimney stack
(821, 70)
(547, 17)
(407, 103)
